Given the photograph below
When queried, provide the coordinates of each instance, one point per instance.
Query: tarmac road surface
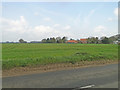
(89, 77)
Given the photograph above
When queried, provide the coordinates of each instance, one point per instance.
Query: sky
(34, 21)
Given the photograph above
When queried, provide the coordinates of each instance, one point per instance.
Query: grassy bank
(22, 55)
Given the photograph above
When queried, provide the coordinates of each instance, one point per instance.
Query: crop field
(29, 54)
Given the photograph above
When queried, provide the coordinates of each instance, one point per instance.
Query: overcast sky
(38, 20)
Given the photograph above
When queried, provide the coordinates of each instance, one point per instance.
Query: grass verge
(31, 55)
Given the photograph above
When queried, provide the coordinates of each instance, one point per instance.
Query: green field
(21, 55)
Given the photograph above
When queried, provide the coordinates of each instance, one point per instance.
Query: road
(89, 77)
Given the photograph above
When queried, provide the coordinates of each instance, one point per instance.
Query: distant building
(115, 42)
(118, 41)
(72, 41)
(84, 41)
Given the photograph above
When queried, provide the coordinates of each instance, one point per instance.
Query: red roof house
(72, 41)
(83, 41)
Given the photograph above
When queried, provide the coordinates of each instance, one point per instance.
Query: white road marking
(89, 86)
(79, 88)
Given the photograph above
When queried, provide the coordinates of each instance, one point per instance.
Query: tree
(105, 40)
(97, 40)
(53, 40)
(93, 40)
(44, 41)
(48, 40)
(64, 39)
(71, 39)
(22, 41)
(58, 40)
(78, 40)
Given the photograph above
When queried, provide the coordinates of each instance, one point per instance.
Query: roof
(72, 41)
(83, 39)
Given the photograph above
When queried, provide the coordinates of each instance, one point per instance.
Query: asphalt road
(89, 77)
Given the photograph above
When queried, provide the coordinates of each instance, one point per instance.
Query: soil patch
(54, 67)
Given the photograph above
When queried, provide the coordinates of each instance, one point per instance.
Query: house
(117, 42)
(72, 41)
(84, 41)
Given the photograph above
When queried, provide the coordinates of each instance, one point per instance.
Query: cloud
(91, 12)
(100, 28)
(13, 30)
(36, 13)
(47, 19)
(77, 19)
(114, 18)
(14, 25)
(0, 10)
(116, 11)
(56, 25)
(43, 29)
(49, 12)
(110, 19)
(100, 31)
(87, 18)
(67, 27)
(22, 20)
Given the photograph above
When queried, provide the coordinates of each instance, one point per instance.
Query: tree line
(90, 40)
(55, 40)
(95, 40)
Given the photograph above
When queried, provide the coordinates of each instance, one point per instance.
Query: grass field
(21, 55)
